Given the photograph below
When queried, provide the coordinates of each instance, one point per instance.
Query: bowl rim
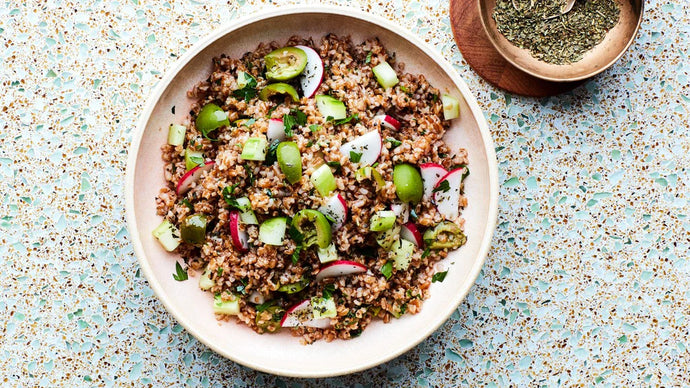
(489, 33)
(221, 31)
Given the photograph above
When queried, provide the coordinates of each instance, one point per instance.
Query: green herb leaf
(328, 291)
(300, 117)
(394, 142)
(288, 123)
(263, 306)
(355, 157)
(314, 128)
(198, 160)
(295, 235)
(439, 276)
(219, 271)
(335, 164)
(443, 186)
(387, 270)
(354, 118)
(228, 194)
(189, 205)
(368, 60)
(427, 250)
(295, 254)
(271, 153)
(248, 92)
(404, 89)
(181, 274)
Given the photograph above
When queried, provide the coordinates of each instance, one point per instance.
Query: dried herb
(539, 26)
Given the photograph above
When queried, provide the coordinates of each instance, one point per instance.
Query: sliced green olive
(285, 63)
(268, 320)
(445, 235)
(210, 117)
(279, 88)
(193, 229)
(313, 226)
(408, 183)
(290, 161)
(293, 288)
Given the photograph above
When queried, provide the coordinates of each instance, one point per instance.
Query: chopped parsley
(290, 120)
(368, 60)
(263, 306)
(219, 271)
(394, 142)
(228, 194)
(188, 204)
(387, 270)
(248, 91)
(404, 89)
(181, 274)
(198, 160)
(355, 157)
(310, 143)
(328, 291)
(250, 174)
(298, 238)
(271, 153)
(427, 251)
(442, 186)
(354, 118)
(335, 164)
(241, 288)
(439, 276)
(314, 128)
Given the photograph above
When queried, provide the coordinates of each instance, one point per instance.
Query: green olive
(290, 161)
(279, 88)
(193, 229)
(269, 319)
(285, 63)
(296, 287)
(210, 117)
(408, 183)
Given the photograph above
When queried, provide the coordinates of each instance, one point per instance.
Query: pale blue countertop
(587, 280)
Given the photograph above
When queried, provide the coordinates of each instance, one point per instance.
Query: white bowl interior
(282, 353)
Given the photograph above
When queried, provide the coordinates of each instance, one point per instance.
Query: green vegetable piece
(167, 234)
(290, 161)
(408, 183)
(451, 107)
(193, 158)
(387, 238)
(205, 281)
(445, 235)
(285, 63)
(279, 88)
(255, 149)
(210, 117)
(331, 107)
(369, 172)
(193, 229)
(293, 288)
(385, 74)
(402, 254)
(226, 307)
(244, 79)
(272, 231)
(323, 308)
(323, 180)
(268, 320)
(176, 134)
(314, 227)
(382, 220)
(387, 270)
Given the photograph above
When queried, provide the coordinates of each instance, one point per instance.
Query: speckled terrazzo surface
(587, 281)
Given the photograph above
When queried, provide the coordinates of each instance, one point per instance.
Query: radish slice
(239, 236)
(448, 199)
(301, 314)
(401, 210)
(410, 233)
(367, 146)
(312, 75)
(431, 174)
(275, 131)
(335, 208)
(388, 121)
(339, 268)
(185, 183)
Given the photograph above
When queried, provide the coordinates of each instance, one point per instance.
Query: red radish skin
(340, 268)
(239, 236)
(185, 183)
(312, 76)
(388, 121)
(275, 130)
(448, 202)
(301, 315)
(431, 175)
(335, 207)
(410, 232)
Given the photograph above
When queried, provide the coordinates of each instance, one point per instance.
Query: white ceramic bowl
(281, 353)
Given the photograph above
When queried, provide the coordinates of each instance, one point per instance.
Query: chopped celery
(176, 134)
(168, 235)
(226, 307)
(255, 149)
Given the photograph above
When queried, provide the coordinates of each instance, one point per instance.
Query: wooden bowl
(596, 60)
(282, 353)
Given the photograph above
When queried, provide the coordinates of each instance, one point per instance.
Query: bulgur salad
(312, 189)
